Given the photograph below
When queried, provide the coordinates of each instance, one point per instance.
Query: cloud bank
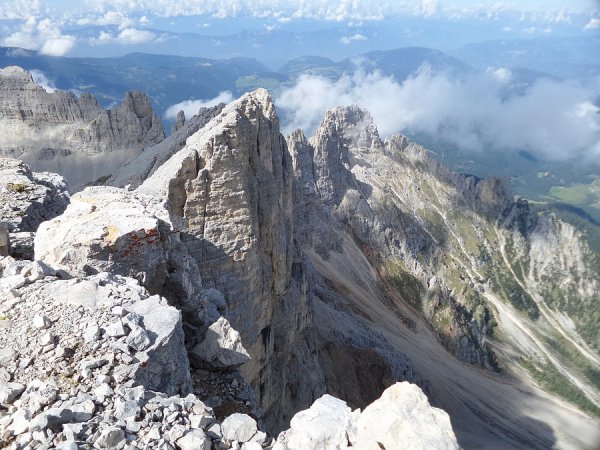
(552, 119)
(43, 35)
(191, 107)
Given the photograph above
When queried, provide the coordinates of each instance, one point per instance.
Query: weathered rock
(26, 198)
(108, 229)
(239, 427)
(59, 130)
(134, 172)
(4, 239)
(110, 438)
(222, 347)
(324, 425)
(167, 368)
(403, 419)
(9, 392)
(194, 440)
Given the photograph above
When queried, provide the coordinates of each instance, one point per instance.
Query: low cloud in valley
(557, 120)
(191, 107)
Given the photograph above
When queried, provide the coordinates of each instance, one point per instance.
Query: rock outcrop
(27, 199)
(400, 419)
(72, 135)
(339, 264)
(230, 191)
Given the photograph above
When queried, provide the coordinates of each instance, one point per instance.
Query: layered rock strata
(72, 135)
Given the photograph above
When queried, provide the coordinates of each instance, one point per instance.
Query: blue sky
(47, 25)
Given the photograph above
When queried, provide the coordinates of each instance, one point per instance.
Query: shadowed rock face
(231, 191)
(346, 263)
(71, 135)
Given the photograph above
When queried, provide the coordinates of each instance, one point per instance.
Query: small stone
(251, 445)
(47, 339)
(83, 411)
(41, 322)
(73, 431)
(138, 339)
(110, 438)
(116, 329)
(20, 422)
(5, 376)
(102, 391)
(200, 421)
(194, 440)
(92, 333)
(7, 356)
(214, 431)
(9, 392)
(153, 434)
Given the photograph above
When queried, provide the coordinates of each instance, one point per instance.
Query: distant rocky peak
(353, 125)
(13, 76)
(59, 131)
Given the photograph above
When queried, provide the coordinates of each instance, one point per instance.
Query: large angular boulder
(400, 419)
(107, 229)
(403, 419)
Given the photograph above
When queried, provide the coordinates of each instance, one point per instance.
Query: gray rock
(9, 392)
(239, 427)
(116, 329)
(38, 395)
(107, 229)
(221, 347)
(41, 322)
(138, 339)
(60, 130)
(7, 356)
(168, 366)
(28, 198)
(92, 333)
(111, 437)
(194, 440)
(324, 425)
(402, 418)
(4, 239)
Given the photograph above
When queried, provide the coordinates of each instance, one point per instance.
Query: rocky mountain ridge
(346, 263)
(72, 135)
(102, 363)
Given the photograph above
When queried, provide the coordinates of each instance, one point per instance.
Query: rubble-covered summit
(90, 359)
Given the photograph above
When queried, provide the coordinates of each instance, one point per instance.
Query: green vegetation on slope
(551, 379)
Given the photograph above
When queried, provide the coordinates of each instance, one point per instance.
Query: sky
(48, 25)
(554, 119)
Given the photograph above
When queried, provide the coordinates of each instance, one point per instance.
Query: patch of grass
(569, 353)
(548, 377)
(407, 285)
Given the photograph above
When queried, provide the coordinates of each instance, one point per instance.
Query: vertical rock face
(230, 189)
(74, 136)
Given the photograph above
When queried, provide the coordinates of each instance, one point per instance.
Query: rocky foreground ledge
(93, 356)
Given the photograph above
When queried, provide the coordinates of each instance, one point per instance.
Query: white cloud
(41, 79)
(555, 120)
(127, 36)
(191, 107)
(134, 36)
(44, 35)
(593, 24)
(502, 74)
(19, 9)
(356, 37)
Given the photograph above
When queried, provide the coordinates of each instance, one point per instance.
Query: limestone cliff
(71, 135)
(347, 262)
